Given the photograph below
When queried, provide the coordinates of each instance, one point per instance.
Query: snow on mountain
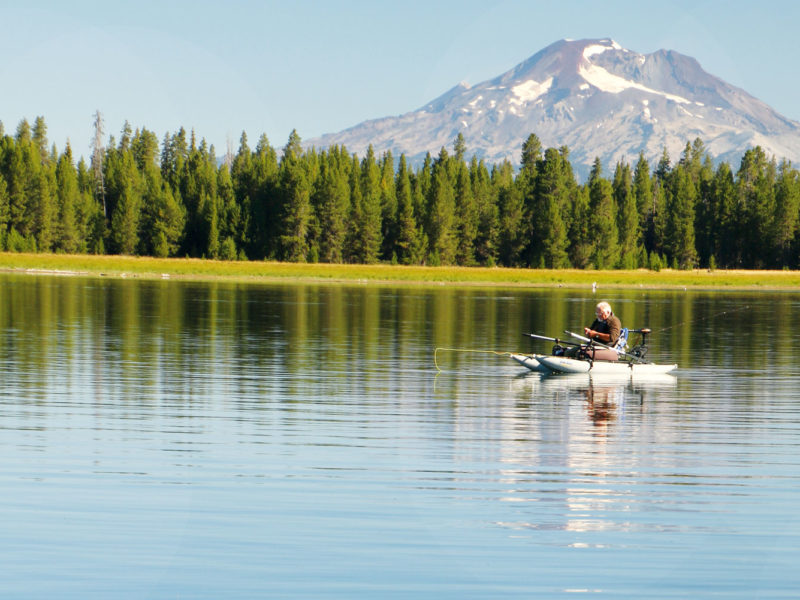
(595, 97)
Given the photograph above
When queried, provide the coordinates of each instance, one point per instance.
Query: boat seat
(622, 341)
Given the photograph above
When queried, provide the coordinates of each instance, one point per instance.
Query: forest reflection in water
(165, 438)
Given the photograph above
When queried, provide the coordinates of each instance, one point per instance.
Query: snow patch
(613, 84)
(464, 123)
(593, 49)
(530, 90)
(686, 112)
(584, 86)
(474, 102)
(590, 51)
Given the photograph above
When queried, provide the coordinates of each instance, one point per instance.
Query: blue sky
(269, 67)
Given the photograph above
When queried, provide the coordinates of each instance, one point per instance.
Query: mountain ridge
(593, 96)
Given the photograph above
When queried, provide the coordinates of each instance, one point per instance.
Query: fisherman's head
(603, 310)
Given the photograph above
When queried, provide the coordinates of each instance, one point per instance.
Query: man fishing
(605, 329)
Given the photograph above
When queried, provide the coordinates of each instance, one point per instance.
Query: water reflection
(588, 487)
(230, 439)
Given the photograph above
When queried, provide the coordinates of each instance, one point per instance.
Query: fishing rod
(620, 352)
(550, 339)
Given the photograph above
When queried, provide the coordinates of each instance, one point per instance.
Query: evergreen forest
(137, 196)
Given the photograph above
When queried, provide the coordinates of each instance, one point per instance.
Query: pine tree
(39, 138)
(511, 214)
(19, 172)
(582, 241)
(655, 231)
(459, 148)
(296, 192)
(787, 205)
(603, 225)
(422, 186)
(680, 217)
(531, 155)
(211, 217)
(89, 217)
(265, 205)
(368, 226)
(229, 215)
(534, 217)
(550, 207)
(409, 244)
(42, 207)
(642, 190)
(241, 177)
(125, 137)
(4, 212)
(488, 216)
(389, 216)
(197, 190)
(466, 218)
(174, 153)
(442, 212)
(663, 167)
(332, 202)
(68, 237)
(627, 217)
(722, 209)
(124, 201)
(704, 214)
(163, 216)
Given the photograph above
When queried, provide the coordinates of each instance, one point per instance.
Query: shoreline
(193, 269)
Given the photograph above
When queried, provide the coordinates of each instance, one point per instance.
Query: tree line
(137, 197)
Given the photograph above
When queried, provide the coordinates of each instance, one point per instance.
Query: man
(605, 329)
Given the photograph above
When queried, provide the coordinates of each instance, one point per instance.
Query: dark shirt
(611, 326)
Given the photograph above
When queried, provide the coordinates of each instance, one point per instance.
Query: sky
(226, 67)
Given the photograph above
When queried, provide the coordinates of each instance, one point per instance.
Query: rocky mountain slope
(595, 97)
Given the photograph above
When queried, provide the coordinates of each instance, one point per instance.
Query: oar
(596, 343)
(550, 339)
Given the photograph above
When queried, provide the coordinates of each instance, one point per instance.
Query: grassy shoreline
(200, 269)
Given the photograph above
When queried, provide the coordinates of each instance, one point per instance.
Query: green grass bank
(199, 269)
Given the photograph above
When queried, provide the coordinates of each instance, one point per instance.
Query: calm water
(184, 440)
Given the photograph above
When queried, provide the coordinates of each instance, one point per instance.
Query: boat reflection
(603, 394)
(592, 417)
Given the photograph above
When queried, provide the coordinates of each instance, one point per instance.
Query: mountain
(595, 97)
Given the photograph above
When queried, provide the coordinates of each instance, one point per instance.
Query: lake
(169, 439)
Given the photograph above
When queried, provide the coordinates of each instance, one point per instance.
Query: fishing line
(724, 312)
(436, 352)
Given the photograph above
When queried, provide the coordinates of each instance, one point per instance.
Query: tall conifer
(442, 213)
(603, 222)
(627, 217)
(296, 193)
(409, 246)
